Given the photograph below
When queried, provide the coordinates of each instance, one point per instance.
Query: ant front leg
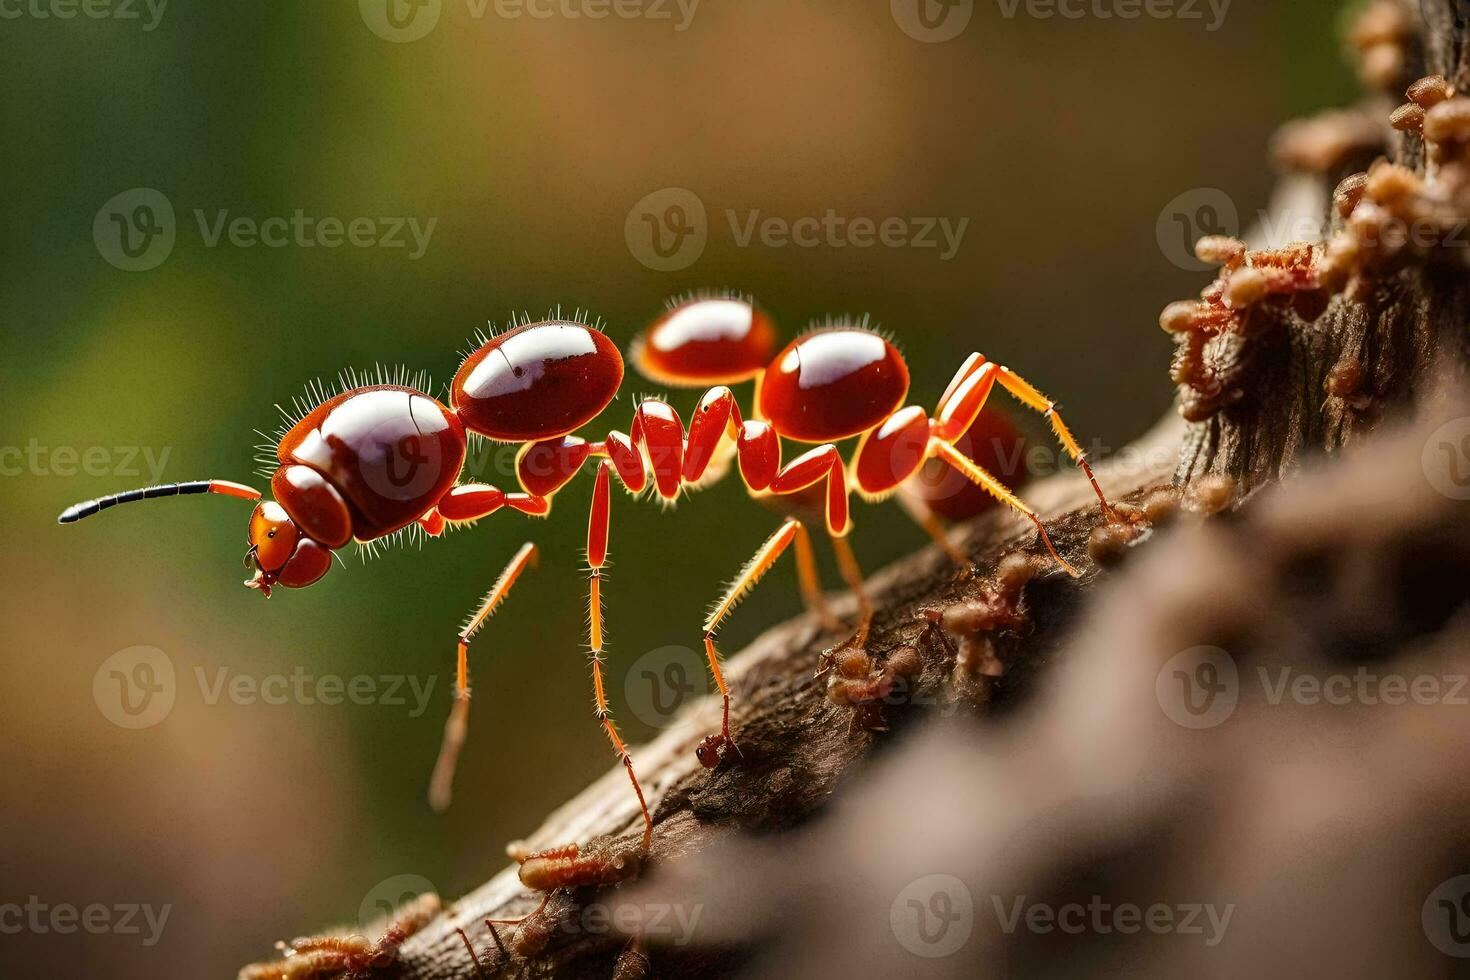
(442, 782)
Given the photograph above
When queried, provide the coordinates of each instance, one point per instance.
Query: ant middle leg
(597, 539)
(852, 574)
(441, 784)
(810, 582)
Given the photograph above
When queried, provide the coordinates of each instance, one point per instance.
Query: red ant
(831, 383)
(377, 459)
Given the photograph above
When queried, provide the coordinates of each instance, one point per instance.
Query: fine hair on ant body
(374, 460)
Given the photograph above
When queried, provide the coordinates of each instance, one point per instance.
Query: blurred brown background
(529, 140)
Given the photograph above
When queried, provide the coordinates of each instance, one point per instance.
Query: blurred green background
(529, 140)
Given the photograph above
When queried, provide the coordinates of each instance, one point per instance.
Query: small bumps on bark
(1385, 38)
(313, 957)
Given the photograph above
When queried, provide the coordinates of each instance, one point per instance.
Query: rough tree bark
(1298, 366)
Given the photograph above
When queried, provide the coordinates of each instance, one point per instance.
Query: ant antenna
(87, 508)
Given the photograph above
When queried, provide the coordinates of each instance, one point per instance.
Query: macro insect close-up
(1002, 505)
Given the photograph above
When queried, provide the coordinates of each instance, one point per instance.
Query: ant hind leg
(711, 751)
(441, 784)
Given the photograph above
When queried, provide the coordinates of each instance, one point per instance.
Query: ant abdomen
(706, 341)
(570, 867)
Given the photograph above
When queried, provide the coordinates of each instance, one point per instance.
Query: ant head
(280, 553)
(710, 751)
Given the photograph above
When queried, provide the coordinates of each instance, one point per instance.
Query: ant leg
(932, 526)
(852, 574)
(632, 963)
(442, 782)
(492, 923)
(474, 956)
(978, 475)
(710, 751)
(1027, 395)
(597, 536)
(811, 583)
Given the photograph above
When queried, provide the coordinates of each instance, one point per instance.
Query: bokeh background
(528, 141)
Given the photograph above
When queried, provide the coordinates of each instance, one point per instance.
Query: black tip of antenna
(76, 512)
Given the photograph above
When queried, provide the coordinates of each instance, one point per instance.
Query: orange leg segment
(1027, 395)
(977, 474)
(442, 782)
(811, 583)
(710, 751)
(852, 574)
(597, 539)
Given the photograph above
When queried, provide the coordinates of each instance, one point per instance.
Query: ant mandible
(374, 460)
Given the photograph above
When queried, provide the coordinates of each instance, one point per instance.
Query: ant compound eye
(273, 536)
(708, 752)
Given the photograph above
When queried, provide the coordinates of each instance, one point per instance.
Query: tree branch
(1290, 353)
